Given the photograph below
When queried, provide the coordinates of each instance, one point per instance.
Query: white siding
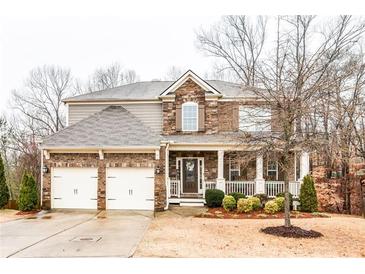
(149, 114)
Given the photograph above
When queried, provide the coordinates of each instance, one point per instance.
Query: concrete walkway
(74, 234)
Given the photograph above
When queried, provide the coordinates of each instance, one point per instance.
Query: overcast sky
(149, 45)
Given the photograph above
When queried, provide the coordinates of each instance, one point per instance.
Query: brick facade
(92, 160)
(219, 116)
(190, 92)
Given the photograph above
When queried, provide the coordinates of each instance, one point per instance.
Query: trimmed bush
(263, 198)
(28, 196)
(280, 201)
(244, 205)
(282, 194)
(214, 197)
(237, 195)
(308, 195)
(271, 207)
(4, 190)
(229, 203)
(256, 203)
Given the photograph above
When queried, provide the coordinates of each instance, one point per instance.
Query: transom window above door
(190, 116)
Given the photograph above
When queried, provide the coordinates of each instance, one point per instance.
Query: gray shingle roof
(111, 127)
(152, 89)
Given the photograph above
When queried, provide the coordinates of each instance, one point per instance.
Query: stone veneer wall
(190, 92)
(110, 160)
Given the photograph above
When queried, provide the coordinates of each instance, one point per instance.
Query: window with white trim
(234, 170)
(190, 116)
(272, 169)
(254, 118)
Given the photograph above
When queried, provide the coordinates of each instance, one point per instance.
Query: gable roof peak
(193, 76)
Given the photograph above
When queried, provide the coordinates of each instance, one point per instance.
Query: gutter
(100, 148)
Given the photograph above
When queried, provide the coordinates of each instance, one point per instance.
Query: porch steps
(198, 204)
(187, 201)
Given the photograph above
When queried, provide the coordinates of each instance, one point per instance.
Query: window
(272, 169)
(234, 170)
(190, 116)
(254, 118)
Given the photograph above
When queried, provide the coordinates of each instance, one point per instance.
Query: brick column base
(101, 185)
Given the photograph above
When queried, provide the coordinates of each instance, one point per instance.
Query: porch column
(304, 164)
(259, 180)
(220, 180)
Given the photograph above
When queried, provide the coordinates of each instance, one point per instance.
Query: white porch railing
(210, 185)
(174, 188)
(294, 189)
(273, 188)
(245, 187)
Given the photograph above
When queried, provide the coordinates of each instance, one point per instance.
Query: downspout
(41, 178)
(167, 175)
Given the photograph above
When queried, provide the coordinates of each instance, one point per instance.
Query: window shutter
(201, 117)
(178, 118)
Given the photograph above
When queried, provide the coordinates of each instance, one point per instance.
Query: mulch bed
(221, 213)
(291, 232)
(27, 212)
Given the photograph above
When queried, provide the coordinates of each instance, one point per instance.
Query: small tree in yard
(4, 190)
(28, 196)
(308, 195)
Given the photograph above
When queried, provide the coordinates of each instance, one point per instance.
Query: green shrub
(237, 195)
(271, 207)
(256, 203)
(4, 190)
(244, 205)
(229, 203)
(280, 201)
(282, 194)
(28, 196)
(308, 195)
(263, 198)
(214, 197)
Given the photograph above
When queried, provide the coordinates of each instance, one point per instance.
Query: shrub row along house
(149, 144)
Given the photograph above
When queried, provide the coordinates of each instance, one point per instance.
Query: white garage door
(130, 188)
(74, 188)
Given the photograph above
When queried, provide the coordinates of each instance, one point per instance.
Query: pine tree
(308, 195)
(28, 196)
(4, 190)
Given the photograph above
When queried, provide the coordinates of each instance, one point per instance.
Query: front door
(190, 175)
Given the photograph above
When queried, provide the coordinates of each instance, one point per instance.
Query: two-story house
(149, 144)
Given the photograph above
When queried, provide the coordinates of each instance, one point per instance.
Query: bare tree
(287, 80)
(173, 73)
(110, 77)
(41, 99)
(239, 42)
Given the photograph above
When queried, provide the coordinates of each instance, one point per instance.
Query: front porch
(190, 173)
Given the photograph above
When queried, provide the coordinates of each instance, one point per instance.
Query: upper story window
(254, 118)
(190, 116)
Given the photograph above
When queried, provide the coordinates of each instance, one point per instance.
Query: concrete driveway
(74, 234)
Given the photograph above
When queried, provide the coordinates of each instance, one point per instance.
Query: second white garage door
(130, 188)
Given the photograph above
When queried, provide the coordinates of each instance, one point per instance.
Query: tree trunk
(362, 195)
(287, 200)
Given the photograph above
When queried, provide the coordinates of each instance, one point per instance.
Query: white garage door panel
(130, 188)
(74, 188)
